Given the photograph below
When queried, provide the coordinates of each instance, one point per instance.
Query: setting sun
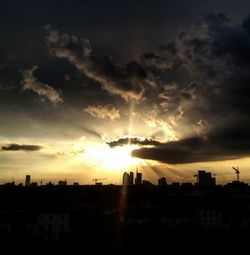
(118, 158)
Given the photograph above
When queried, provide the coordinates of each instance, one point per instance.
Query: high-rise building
(131, 181)
(147, 183)
(27, 180)
(205, 178)
(125, 179)
(138, 179)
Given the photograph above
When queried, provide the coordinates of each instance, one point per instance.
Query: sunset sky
(90, 89)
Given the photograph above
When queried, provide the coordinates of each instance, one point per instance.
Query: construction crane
(237, 171)
(96, 180)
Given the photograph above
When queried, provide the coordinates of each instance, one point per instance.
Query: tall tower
(138, 179)
(131, 181)
(27, 180)
(125, 179)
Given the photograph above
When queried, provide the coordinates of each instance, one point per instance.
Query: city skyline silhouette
(124, 125)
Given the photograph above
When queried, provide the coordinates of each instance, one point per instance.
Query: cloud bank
(224, 145)
(204, 97)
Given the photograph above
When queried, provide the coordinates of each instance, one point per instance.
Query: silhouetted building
(186, 184)
(62, 183)
(72, 215)
(205, 178)
(210, 218)
(27, 180)
(49, 184)
(138, 179)
(162, 181)
(131, 179)
(50, 225)
(33, 184)
(9, 184)
(98, 183)
(175, 184)
(147, 183)
(237, 185)
(125, 179)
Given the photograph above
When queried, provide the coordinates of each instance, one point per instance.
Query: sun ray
(112, 159)
(130, 127)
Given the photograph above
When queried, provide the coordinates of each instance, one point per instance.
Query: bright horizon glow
(113, 159)
(82, 160)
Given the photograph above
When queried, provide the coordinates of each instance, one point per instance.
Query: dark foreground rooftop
(118, 218)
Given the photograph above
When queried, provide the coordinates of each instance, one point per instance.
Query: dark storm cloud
(203, 76)
(169, 47)
(215, 97)
(127, 81)
(132, 140)
(231, 143)
(151, 59)
(20, 147)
